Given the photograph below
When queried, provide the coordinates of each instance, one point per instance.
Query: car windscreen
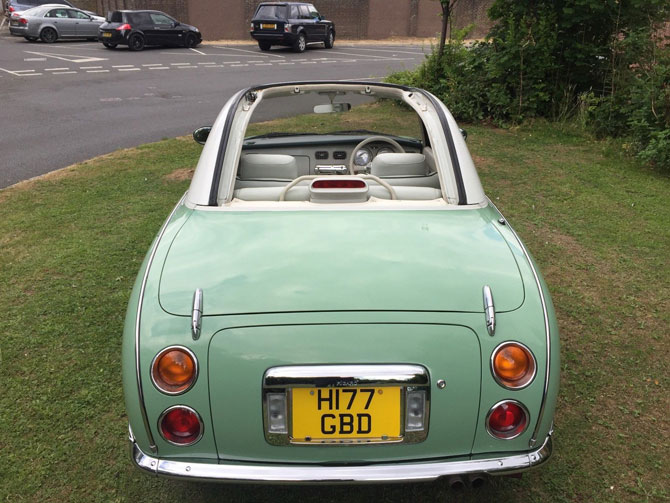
(271, 12)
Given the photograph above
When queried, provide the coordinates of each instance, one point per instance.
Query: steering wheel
(396, 146)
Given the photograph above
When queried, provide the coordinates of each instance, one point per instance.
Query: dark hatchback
(293, 24)
(139, 28)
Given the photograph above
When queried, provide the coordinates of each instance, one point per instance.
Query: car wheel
(190, 41)
(49, 35)
(330, 40)
(109, 46)
(264, 45)
(136, 42)
(300, 43)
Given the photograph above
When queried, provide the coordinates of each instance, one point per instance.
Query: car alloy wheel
(48, 35)
(330, 40)
(136, 42)
(300, 43)
(190, 41)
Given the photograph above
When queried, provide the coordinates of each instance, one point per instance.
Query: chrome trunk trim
(196, 316)
(489, 310)
(533, 439)
(138, 373)
(417, 471)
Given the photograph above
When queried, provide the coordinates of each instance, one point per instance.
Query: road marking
(213, 66)
(129, 69)
(389, 50)
(122, 66)
(354, 54)
(240, 65)
(34, 59)
(110, 99)
(199, 52)
(62, 73)
(308, 63)
(89, 67)
(23, 71)
(55, 69)
(230, 62)
(153, 64)
(180, 67)
(287, 63)
(28, 74)
(300, 59)
(97, 71)
(255, 53)
(263, 64)
(159, 68)
(206, 63)
(74, 58)
(179, 64)
(255, 61)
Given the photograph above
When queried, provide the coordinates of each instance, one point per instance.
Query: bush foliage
(601, 61)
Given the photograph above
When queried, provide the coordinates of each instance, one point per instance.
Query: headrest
(398, 165)
(268, 167)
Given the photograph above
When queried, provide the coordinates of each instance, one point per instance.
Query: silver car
(52, 22)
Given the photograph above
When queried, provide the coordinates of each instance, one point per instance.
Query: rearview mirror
(201, 134)
(332, 107)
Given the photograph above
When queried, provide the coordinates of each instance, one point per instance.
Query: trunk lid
(263, 262)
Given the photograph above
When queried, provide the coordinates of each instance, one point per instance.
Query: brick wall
(354, 19)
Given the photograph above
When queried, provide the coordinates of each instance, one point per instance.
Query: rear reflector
(338, 184)
(507, 420)
(180, 425)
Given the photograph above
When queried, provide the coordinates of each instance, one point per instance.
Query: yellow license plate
(105, 35)
(337, 415)
(265, 26)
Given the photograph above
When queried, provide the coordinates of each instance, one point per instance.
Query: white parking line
(62, 73)
(129, 69)
(240, 65)
(255, 53)
(206, 63)
(263, 64)
(89, 67)
(179, 64)
(55, 69)
(74, 58)
(159, 68)
(28, 74)
(389, 50)
(34, 59)
(180, 67)
(287, 63)
(360, 55)
(153, 64)
(97, 71)
(198, 52)
(230, 62)
(255, 61)
(308, 63)
(122, 66)
(23, 71)
(213, 66)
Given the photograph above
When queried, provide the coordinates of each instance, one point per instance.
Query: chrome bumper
(297, 474)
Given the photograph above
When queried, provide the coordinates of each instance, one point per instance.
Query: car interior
(325, 164)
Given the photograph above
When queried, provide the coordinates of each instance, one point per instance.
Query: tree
(447, 10)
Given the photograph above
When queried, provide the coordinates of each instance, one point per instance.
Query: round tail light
(180, 425)
(513, 365)
(507, 420)
(174, 370)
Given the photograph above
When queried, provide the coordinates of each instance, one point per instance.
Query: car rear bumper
(300, 474)
(18, 31)
(274, 38)
(115, 37)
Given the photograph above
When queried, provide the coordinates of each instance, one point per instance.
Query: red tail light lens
(23, 21)
(507, 420)
(12, 9)
(338, 184)
(124, 27)
(180, 425)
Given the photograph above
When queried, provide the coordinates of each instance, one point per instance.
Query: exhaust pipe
(476, 480)
(456, 482)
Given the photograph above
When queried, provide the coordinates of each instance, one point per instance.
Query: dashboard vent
(321, 154)
(339, 154)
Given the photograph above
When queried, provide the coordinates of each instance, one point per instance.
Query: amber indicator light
(513, 365)
(174, 370)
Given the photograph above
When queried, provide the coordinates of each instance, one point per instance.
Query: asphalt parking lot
(69, 101)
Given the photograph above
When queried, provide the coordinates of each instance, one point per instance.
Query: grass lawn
(72, 242)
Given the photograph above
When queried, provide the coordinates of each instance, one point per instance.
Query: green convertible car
(335, 299)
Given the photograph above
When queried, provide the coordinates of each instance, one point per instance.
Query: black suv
(137, 28)
(294, 24)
